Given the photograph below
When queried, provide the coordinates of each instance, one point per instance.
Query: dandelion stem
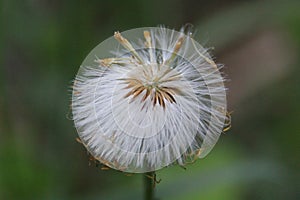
(149, 185)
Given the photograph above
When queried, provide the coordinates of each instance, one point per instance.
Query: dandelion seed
(153, 99)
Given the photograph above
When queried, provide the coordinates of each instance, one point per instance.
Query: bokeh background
(43, 43)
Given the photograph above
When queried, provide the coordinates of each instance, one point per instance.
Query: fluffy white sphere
(153, 97)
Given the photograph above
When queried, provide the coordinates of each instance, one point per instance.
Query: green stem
(149, 185)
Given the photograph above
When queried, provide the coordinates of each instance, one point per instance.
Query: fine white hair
(154, 98)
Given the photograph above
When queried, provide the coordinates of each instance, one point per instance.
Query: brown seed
(139, 91)
(170, 97)
(146, 95)
(154, 98)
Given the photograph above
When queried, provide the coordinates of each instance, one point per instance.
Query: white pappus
(153, 98)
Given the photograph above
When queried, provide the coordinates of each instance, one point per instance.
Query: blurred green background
(43, 43)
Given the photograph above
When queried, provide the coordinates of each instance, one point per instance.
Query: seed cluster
(157, 100)
(157, 94)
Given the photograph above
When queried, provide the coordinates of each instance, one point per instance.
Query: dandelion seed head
(147, 98)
